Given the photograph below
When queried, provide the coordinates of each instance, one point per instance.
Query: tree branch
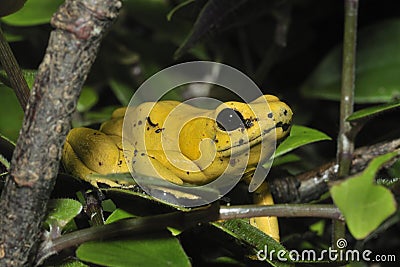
(73, 45)
(313, 184)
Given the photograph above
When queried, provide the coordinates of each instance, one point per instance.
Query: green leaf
(87, 99)
(11, 121)
(377, 67)
(257, 240)
(152, 14)
(285, 159)
(122, 91)
(372, 111)
(12, 114)
(93, 117)
(211, 14)
(108, 205)
(4, 163)
(62, 211)
(151, 250)
(117, 215)
(364, 204)
(394, 170)
(177, 7)
(299, 136)
(34, 12)
(11, 37)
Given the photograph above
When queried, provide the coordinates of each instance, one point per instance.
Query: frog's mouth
(242, 144)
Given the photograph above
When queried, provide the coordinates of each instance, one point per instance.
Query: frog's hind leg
(268, 224)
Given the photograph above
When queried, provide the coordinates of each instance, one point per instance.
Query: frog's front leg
(172, 166)
(268, 224)
(148, 163)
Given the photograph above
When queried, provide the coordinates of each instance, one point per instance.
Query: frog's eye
(229, 119)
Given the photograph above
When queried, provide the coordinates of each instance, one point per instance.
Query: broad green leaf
(11, 121)
(372, 111)
(11, 37)
(364, 204)
(211, 14)
(87, 99)
(122, 91)
(95, 116)
(318, 227)
(299, 136)
(12, 114)
(148, 250)
(34, 12)
(394, 171)
(108, 205)
(177, 7)
(153, 14)
(120, 214)
(256, 240)
(158, 186)
(117, 215)
(4, 163)
(62, 211)
(285, 159)
(377, 67)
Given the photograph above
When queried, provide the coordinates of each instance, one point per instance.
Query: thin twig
(281, 210)
(345, 144)
(14, 73)
(131, 227)
(182, 220)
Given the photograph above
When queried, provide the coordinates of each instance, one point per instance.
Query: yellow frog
(183, 144)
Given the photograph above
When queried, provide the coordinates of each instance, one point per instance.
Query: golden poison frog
(184, 144)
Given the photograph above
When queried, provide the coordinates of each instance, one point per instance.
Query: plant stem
(281, 210)
(14, 73)
(345, 145)
(338, 233)
(183, 220)
(132, 227)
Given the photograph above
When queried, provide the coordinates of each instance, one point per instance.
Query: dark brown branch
(313, 184)
(80, 26)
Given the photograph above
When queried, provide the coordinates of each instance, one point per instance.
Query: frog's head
(240, 126)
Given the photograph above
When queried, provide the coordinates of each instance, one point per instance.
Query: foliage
(290, 48)
(361, 189)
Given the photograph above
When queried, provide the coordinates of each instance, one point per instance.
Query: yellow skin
(183, 144)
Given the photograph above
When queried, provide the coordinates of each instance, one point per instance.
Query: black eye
(229, 119)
